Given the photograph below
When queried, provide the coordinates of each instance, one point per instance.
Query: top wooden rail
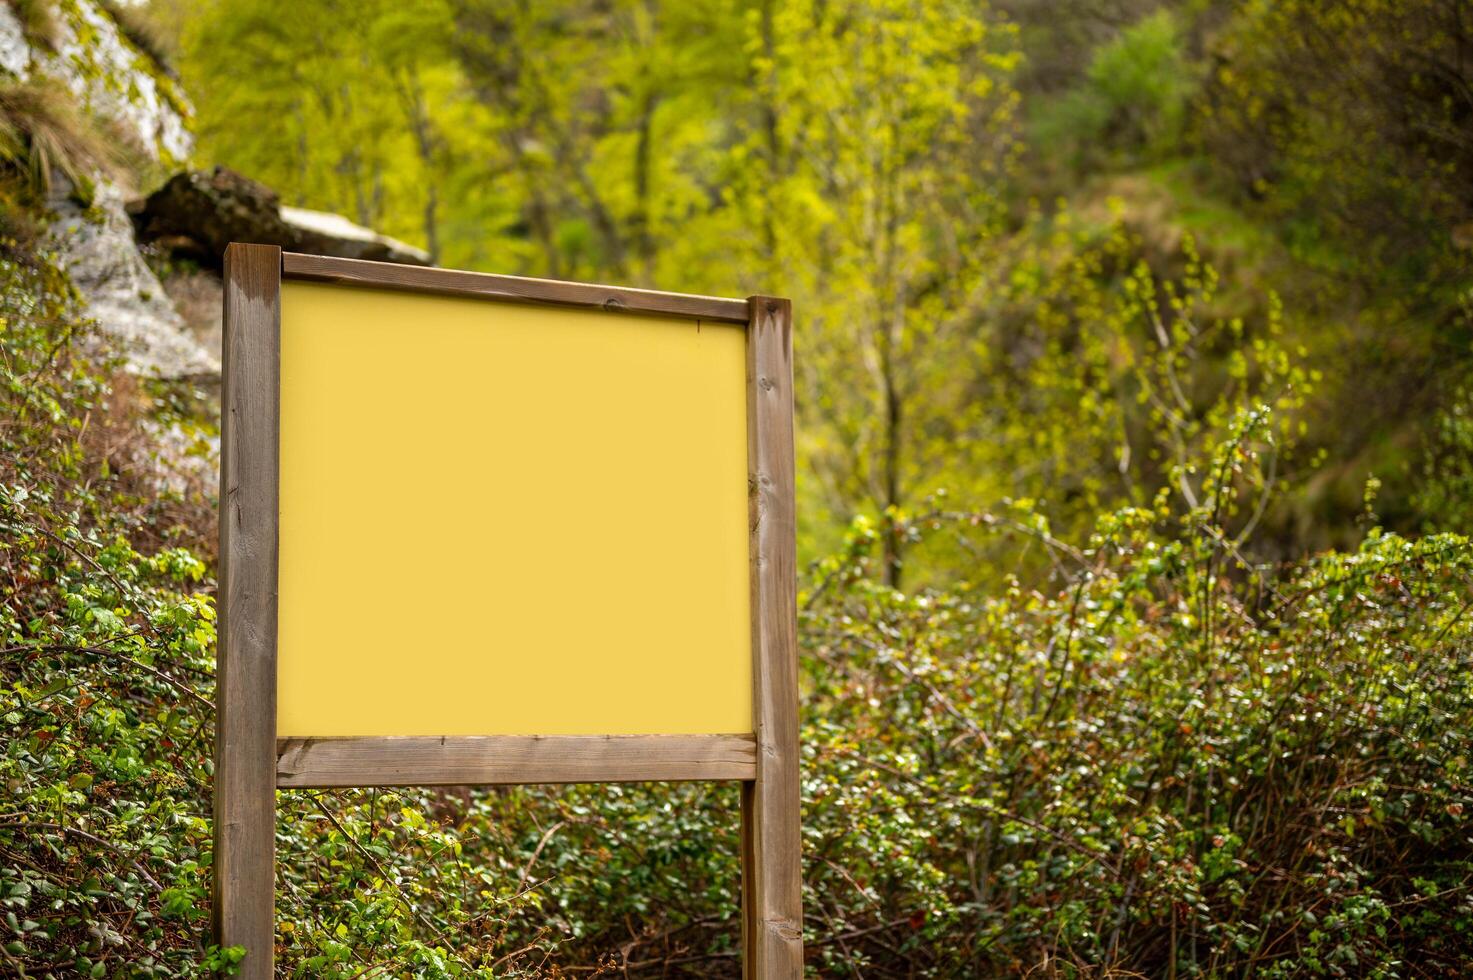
(449, 282)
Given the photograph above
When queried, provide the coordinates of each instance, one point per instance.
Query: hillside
(1133, 359)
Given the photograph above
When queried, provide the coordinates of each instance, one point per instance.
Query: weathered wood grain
(450, 282)
(245, 736)
(504, 759)
(771, 840)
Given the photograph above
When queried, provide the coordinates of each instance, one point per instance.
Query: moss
(39, 22)
(173, 95)
(140, 33)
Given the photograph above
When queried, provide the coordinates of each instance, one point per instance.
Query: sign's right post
(772, 879)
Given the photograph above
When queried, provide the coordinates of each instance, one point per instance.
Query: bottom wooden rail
(319, 763)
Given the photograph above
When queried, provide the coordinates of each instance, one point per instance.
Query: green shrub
(1161, 757)
(1171, 762)
(1132, 102)
(1445, 497)
(107, 658)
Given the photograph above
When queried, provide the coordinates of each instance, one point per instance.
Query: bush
(107, 658)
(1175, 762)
(1132, 102)
(1160, 758)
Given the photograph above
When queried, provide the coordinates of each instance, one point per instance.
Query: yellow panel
(509, 519)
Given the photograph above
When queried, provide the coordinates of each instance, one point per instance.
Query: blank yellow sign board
(508, 519)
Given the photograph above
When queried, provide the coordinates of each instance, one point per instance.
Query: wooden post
(245, 722)
(772, 878)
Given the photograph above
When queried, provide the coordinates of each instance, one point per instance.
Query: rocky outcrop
(197, 213)
(87, 52)
(123, 294)
(79, 46)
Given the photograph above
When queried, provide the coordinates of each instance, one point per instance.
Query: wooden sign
(481, 529)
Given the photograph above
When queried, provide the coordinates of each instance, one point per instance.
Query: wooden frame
(251, 762)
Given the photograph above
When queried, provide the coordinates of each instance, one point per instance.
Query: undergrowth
(1161, 758)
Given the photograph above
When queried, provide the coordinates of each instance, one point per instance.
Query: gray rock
(124, 296)
(110, 78)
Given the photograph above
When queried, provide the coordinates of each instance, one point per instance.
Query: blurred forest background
(1135, 425)
(1029, 243)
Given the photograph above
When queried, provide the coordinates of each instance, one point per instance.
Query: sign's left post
(245, 706)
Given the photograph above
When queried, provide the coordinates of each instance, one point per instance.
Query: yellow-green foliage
(870, 158)
(1131, 103)
(1092, 345)
(1161, 758)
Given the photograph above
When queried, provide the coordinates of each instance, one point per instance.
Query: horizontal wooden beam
(319, 763)
(450, 282)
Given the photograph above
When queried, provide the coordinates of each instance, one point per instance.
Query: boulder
(199, 212)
